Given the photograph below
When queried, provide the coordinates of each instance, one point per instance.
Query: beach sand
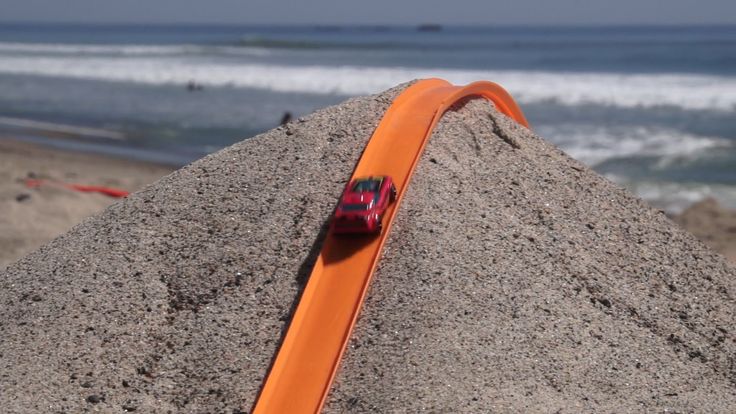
(515, 279)
(713, 224)
(33, 216)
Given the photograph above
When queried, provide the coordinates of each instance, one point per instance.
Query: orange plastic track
(307, 362)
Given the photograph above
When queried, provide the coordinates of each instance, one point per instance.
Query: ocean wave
(265, 42)
(93, 49)
(687, 91)
(482, 45)
(659, 150)
(273, 43)
(594, 144)
(125, 50)
(674, 197)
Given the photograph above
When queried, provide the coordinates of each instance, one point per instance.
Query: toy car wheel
(379, 225)
(392, 197)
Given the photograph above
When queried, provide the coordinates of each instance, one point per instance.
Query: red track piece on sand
(108, 191)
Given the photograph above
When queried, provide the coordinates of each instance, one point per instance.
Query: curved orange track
(305, 366)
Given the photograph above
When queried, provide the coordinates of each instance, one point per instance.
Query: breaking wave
(674, 197)
(593, 144)
(687, 91)
(56, 49)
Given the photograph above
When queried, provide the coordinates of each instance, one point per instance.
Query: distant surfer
(194, 86)
(429, 27)
(286, 118)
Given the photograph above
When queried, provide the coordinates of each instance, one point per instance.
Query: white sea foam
(622, 90)
(594, 144)
(60, 48)
(674, 197)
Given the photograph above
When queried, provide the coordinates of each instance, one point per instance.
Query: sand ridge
(515, 279)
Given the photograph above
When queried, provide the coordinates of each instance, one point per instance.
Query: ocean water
(652, 108)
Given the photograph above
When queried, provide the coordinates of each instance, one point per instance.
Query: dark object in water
(430, 27)
(286, 118)
(194, 86)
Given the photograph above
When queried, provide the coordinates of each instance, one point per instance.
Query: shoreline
(33, 216)
(102, 148)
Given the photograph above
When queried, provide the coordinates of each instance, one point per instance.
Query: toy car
(362, 205)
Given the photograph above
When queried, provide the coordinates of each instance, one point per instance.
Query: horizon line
(369, 25)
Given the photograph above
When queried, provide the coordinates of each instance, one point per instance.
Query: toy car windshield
(355, 207)
(366, 185)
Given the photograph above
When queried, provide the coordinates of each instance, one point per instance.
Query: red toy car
(362, 205)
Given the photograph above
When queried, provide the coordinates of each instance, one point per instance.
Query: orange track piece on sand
(108, 191)
(307, 361)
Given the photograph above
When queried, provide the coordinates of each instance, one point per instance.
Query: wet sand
(515, 280)
(713, 224)
(33, 216)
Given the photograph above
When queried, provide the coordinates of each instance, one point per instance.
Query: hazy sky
(374, 11)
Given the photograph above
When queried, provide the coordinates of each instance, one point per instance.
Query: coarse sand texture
(515, 279)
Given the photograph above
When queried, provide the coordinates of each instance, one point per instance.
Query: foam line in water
(688, 91)
(594, 144)
(62, 128)
(132, 50)
(674, 197)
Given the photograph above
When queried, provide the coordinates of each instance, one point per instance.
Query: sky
(549, 12)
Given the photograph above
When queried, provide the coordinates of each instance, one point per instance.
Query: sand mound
(515, 280)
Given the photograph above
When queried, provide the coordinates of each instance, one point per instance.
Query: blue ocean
(652, 108)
